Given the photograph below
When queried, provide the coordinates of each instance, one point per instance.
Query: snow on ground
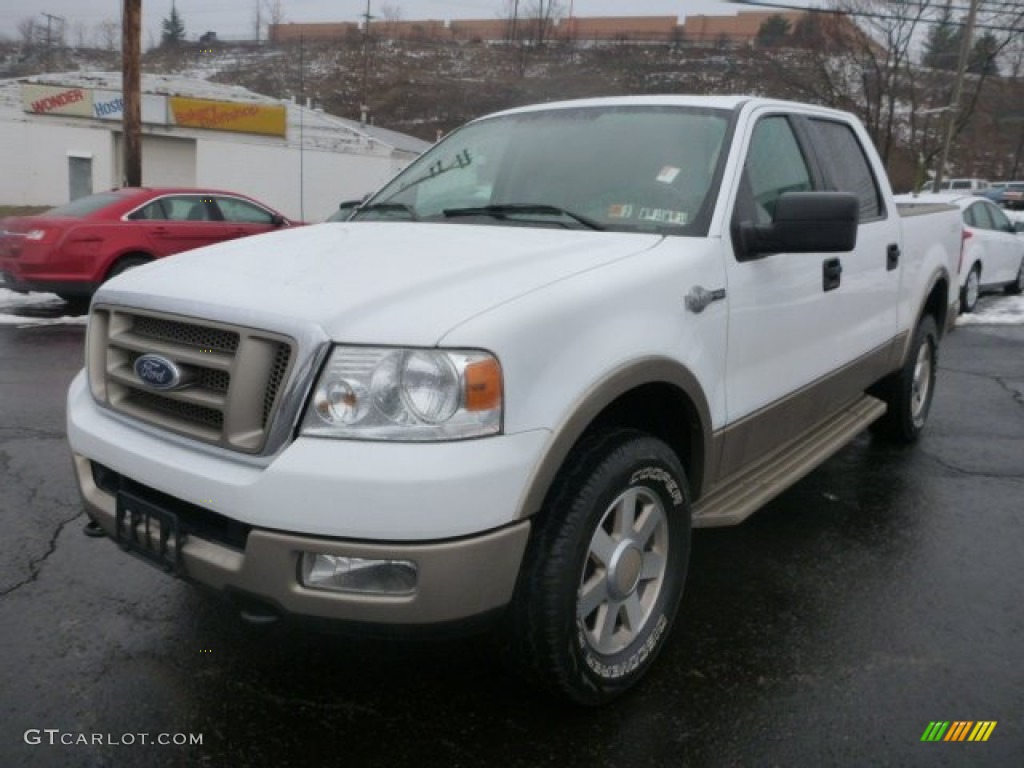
(996, 310)
(24, 309)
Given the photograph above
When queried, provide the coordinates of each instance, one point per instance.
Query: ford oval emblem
(157, 372)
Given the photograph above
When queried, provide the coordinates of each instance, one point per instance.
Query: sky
(235, 18)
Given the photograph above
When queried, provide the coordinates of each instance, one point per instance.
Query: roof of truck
(730, 102)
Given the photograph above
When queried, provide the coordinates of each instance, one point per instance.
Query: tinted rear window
(83, 206)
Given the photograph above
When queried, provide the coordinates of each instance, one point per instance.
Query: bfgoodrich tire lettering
(605, 570)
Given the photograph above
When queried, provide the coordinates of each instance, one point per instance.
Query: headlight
(35, 234)
(381, 393)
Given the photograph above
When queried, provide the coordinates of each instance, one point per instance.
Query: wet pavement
(880, 594)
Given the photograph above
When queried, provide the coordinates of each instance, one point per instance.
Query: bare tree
(272, 14)
(27, 31)
(273, 11)
(392, 15)
(542, 15)
(861, 55)
(108, 35)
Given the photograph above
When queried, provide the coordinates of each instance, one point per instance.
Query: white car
(993, 251)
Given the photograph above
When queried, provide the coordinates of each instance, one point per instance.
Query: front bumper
(451, 508)
(457, 580)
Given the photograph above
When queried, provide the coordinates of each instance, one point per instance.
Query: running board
(739, 496)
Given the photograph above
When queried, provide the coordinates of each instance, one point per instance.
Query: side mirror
(804, 222)
(277, 220)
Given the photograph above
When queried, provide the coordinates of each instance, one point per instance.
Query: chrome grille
(234, 376)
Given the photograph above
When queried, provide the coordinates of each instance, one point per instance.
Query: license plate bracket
(149, 531)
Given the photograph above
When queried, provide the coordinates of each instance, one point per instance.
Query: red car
(70, 250)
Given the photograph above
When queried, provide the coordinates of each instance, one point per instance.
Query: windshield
(83, 206)
(622, 168)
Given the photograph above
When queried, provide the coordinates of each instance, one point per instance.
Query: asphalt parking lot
(879, 595)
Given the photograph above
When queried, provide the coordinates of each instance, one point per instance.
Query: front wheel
(605, 569)
(909, 391)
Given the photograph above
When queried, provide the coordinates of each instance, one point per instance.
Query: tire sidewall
(925, 334)
(965, 303)
(607, 675)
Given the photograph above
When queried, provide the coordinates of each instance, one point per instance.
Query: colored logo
(157, 372)
(958, 730)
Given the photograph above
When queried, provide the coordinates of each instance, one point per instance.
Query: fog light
(336, 573)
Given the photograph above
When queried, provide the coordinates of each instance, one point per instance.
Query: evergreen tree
(173, 28)
(773, 32)
(942, 48)
(982, 60)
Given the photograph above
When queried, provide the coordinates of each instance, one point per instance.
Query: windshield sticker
(668, 174)
(620, 211)
(663, 216)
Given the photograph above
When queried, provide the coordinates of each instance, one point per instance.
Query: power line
(880, 16)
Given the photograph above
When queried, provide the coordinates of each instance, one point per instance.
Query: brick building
(739, 29)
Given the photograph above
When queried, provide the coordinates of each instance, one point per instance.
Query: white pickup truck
(508, 385)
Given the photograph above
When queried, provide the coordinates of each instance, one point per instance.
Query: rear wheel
(909, 392)
(605, 569)
(971, 290)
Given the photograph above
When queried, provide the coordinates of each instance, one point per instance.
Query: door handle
(831, 274)
(892, 257)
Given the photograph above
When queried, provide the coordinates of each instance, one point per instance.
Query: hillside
(426, 89)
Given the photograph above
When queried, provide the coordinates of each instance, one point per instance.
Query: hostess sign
(109, 105)
(233, 116)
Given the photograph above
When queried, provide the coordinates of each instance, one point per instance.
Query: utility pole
(50, 18)
(958, 86)
(131, 90)
(364, 108)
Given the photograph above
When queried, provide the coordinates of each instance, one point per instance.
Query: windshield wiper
(386, 208)
(522, 209)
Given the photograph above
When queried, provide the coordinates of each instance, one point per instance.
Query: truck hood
(370, 282)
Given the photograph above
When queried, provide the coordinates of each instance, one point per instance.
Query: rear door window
(977, 216)
(848, 166)
(242, 211)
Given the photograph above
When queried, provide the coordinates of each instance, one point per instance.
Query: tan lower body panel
(740, 495)
(457, 579)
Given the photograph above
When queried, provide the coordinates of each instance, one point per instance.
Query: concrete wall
(34, 165)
